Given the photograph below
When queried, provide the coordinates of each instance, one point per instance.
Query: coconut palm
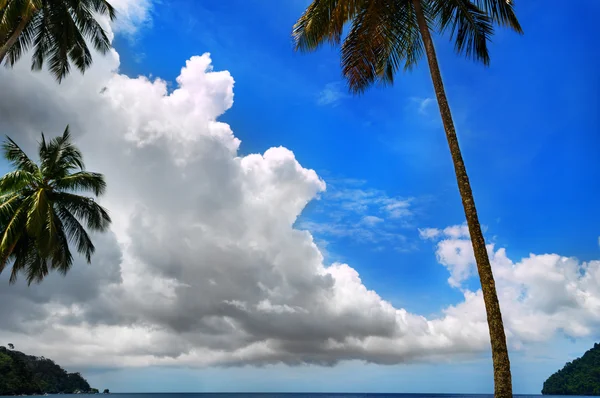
(41, 211)
(385, 35)
(57, 31)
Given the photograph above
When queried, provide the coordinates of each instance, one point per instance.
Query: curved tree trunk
(13, 38)
(502, 376)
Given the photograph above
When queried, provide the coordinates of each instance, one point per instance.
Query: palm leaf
(470, 26)
(13, 231)
(16, 181)
(82, 181)
(76, 233)
(15, 155)
(62, 260)
(324, 20)
(58, 30)
(501, 12)
(59, 156)
(91, 213)
(383, 37)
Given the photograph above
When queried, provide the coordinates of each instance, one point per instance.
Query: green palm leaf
(58, 30)
(15, 155)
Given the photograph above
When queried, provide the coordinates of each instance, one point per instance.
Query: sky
(272, 232)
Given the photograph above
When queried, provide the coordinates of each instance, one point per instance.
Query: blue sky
(529, 128)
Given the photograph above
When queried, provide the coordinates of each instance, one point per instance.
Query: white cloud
(457, 256)
(454, 231)
(429, 233)
(371, 220)
(203, 265)
(398, 208)
(332, 94)
(423, 105)
(457, 231)
(131, 15)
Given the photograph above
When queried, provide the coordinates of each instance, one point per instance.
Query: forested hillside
(25, 374)
(580, 377)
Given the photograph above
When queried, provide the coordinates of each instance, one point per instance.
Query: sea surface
(290, 395)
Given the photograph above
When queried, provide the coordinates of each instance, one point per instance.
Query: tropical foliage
(24, 374)
(386, 35)
(580, 377)
(57, 31)
(41, 211)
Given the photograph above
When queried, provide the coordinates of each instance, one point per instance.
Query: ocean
(292, 395)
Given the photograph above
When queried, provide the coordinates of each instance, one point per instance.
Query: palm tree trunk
(502, 376)
(13, 38)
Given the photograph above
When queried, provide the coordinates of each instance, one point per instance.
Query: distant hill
(580, 377)
(25, 374)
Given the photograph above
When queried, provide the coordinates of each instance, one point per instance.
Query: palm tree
(56, 29)
(385, 35)
(41, 211)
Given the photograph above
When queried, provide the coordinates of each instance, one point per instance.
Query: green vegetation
(385, 36)
(24, 374)
(56, 30)
(41, 211)
(580, 377)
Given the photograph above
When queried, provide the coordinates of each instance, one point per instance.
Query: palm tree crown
(384, 34)
(56, 29)
(41, 212)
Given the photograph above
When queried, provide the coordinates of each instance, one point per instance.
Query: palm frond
(501, 12)
(89, 27)
(322, 21)
(8, 205)
(15, 155)
(57, 30)
(37, 213)
(469, 26)
(61, 257)
(81, 181)
(24, 254)
(60, 156)
(13, 230)
(103, 7)
(36, 267)
(383, 37)
(76, 233)
(24, 42)
(42, 40)
(12, 12)
(16, 181)
(86, 209)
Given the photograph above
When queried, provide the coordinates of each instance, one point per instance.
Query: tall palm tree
(385, 35)
(41, 211)
(56, 29)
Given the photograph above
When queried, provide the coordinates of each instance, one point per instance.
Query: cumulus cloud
(204, 266)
